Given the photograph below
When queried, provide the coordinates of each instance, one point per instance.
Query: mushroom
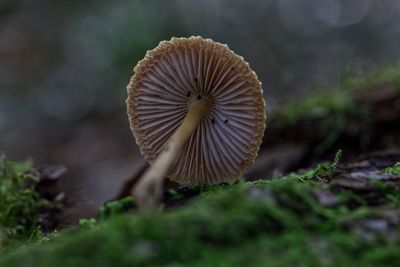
(197, 112)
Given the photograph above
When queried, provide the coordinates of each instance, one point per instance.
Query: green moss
(390, 75)
(88, 223)
(19, 202)
(314, 106)
(114, 208)
(339, 100)
(395, 170)
(332, 110)
(274, 223)
(175, 195)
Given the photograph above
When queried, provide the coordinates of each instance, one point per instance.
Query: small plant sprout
(197, 112)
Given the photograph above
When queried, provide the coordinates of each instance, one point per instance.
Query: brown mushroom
(197, 112)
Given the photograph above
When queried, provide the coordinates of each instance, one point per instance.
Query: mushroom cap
(227, 139)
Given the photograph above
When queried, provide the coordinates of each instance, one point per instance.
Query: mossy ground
(19, 201)
(363, 111)
(339, 101)
(287, 221)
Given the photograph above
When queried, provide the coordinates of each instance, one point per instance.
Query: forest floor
(330, 197)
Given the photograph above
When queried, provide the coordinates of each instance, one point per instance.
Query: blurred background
(64, 67)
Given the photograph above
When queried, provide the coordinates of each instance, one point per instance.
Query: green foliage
(395, 170)
(19, 202)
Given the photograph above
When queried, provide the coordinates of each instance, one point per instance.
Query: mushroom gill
(199, 106)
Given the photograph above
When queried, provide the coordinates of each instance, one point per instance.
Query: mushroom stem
(148, 191)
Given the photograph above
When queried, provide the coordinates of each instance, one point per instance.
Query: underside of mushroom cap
(226, 141)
